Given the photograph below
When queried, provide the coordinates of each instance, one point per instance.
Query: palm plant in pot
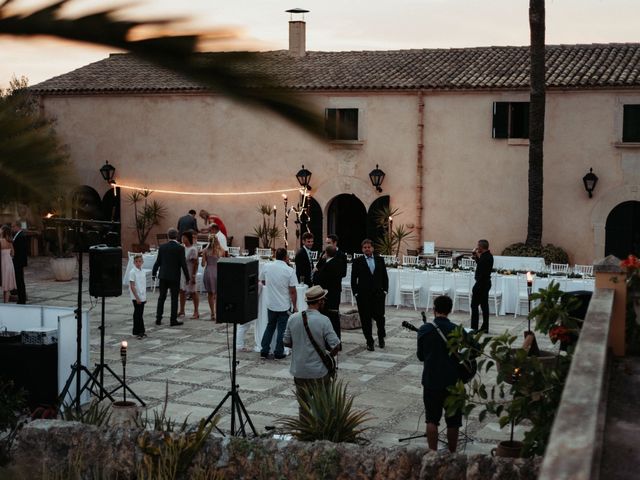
(267, 231)
(147, 214)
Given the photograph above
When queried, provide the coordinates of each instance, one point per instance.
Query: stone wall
(52, 446)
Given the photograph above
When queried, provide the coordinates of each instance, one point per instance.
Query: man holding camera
(480, 292)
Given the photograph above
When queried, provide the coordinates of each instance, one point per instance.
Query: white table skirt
(530, 264)
(508, 284)
(261, 322)
(149, 259)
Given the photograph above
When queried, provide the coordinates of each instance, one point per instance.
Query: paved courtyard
(194, 359)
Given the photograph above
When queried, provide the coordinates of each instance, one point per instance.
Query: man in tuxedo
(332, 240)
(187, 222)
(19, 260)
(303, 261)
(329, 276)
(480, 291)
(170, 261)
(370, 284)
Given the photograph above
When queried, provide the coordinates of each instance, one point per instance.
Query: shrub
(549, 252)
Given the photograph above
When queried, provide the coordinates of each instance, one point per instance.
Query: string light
(216, 194)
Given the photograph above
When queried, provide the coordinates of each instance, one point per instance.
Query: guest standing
(19, 260)
(370, 284)
(138, 294)
(188, 287)
(6, 253)
(303, 260)
(187, 222)
(329, 276)
(210, 256)
(282, 299)
(170, 261)
(222, 240)
(480, 291)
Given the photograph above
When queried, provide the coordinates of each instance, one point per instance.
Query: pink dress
(210, 277)
(8, 273)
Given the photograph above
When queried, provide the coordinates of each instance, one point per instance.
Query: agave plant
(327, 413)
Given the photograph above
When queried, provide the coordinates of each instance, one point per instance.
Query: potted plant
(267, 231)
(391, 241)
(147, 214)
(63, 260)
(631, 266)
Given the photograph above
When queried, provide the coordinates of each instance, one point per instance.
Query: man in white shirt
(215, 229)
(282, 298)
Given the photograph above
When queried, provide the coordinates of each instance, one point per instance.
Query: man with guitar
(440, 371)
(309, 334)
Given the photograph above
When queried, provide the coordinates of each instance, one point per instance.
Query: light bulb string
(213, 194)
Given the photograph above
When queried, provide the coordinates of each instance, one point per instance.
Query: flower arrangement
(631, 265)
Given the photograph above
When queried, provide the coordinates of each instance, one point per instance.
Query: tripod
(236, 402)
(77, 369)
(463, 438)
(98, 372)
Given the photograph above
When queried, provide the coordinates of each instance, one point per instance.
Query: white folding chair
(346, 285)
(410, 260)
(559, 268)
(436, 286)
(584, 270)
(234, 251)
(263, 252)
(407, 286)
(444, 262)
(314, 255)
(291, 254)
(523, 294)
(358, 255)
(467, 263)
(462, 289)
(389, 259)
(495, 294)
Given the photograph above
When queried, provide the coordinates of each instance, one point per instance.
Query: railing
(574, 450)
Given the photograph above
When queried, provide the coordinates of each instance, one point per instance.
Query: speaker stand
(236, 402)
(98, 372)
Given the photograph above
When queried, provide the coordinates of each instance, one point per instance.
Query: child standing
(138, 291)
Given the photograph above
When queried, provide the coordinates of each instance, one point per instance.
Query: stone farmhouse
(448, 127)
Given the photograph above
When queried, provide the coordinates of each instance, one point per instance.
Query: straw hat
(315, 293)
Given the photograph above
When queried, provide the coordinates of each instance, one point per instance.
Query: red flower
(560, 333)
(630, 263)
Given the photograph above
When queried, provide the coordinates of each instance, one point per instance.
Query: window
(341, 123)
(510, 120)
(631, 123)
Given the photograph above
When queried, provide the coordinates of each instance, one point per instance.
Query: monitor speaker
(105, 271)
(237, 290)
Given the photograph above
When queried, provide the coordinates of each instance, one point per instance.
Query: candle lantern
(123, 357)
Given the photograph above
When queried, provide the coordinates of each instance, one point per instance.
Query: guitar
(413, 328)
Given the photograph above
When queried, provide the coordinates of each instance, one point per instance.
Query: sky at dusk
(335, 25)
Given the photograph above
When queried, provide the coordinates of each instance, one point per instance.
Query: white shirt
(278, 277)
(139, 279)
(222, 240)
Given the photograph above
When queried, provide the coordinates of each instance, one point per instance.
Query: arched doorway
(374, 230)
(347, 218)
(623, 230)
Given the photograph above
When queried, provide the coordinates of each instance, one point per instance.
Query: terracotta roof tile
(568, 66)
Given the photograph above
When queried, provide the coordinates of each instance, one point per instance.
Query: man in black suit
(332, 240)
(480, 292)
(329, 276)
(187, 222)
(370, 284)
(19, 260)
(170, 261)
(303, 261)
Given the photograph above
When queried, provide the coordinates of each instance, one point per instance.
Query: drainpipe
(420, 168)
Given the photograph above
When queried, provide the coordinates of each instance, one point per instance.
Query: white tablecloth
(527, 264)
(149, 259)
(508, 284)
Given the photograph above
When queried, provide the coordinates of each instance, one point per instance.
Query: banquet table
(508, 284)
(529, 264)
(149, 259)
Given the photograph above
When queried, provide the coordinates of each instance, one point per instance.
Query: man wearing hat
(307, 367)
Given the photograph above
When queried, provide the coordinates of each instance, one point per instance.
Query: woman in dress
(210, 257)
(8, 273)
(189, 288)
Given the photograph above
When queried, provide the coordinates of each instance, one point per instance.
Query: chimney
(297, 33)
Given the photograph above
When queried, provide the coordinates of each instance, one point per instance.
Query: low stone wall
(52, 446)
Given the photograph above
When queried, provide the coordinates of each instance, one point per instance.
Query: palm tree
(536, 120)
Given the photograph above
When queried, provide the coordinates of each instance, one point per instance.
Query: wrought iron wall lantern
(377, 177)
(590, 180)
(304, 177)
(108, 172)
